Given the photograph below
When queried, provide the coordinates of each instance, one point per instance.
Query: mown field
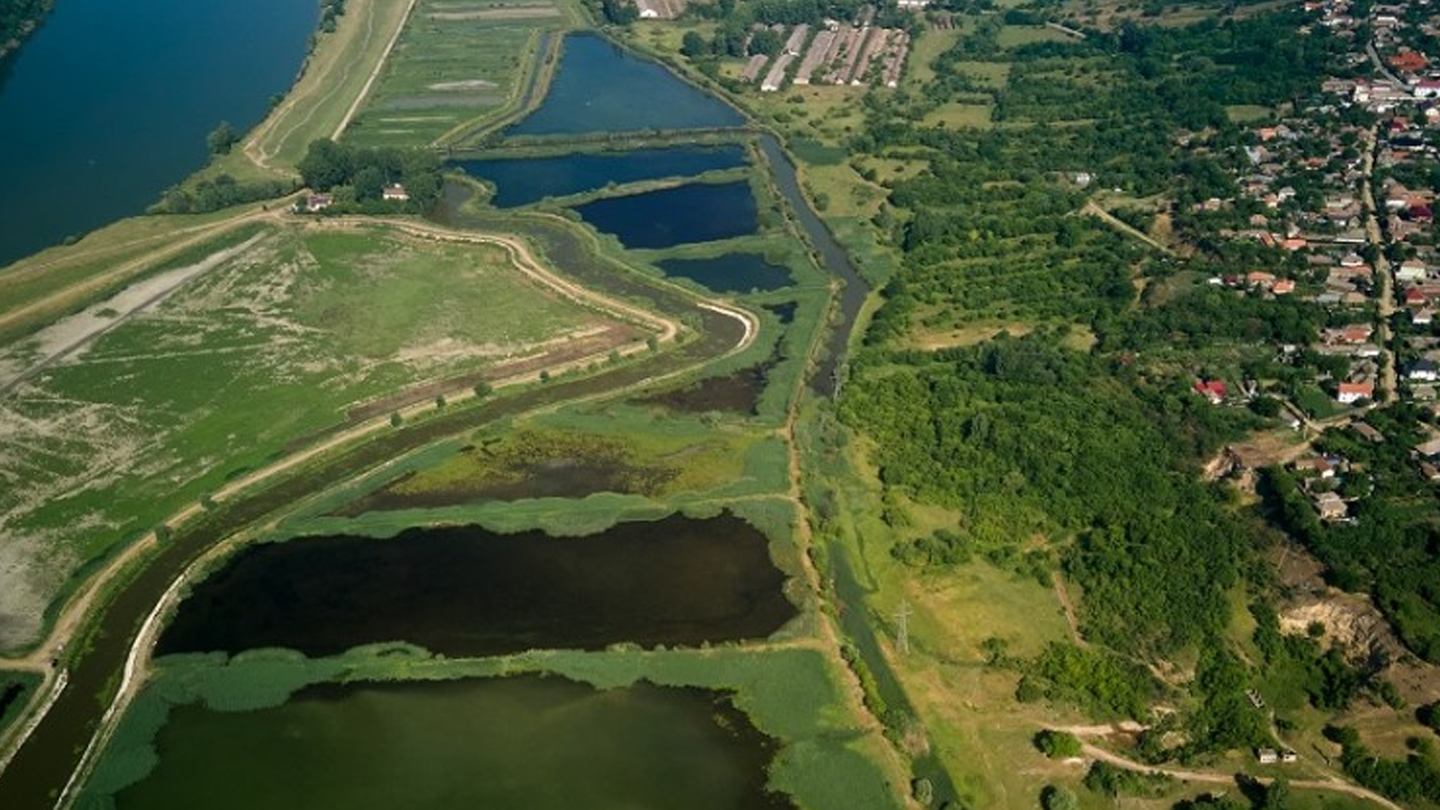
(456, 66)
(233, 369)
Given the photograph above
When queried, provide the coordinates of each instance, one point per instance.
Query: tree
(1058, 744)
(923, 791)
(369, 183)
(221, 139)
(694, 46)
(483, 389)
(1277, 794)
(396, 420)
(1054, 797)
(767, 42)
(326, 165)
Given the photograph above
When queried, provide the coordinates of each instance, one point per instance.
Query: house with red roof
(1213, 390)
(1350, 393)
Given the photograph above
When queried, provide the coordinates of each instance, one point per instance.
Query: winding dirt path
(1212, 777)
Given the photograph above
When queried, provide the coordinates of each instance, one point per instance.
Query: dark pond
(10, 695)
(737, 392)
(465, 591)
(785, 312)
(527, 742)
(731, 273)
(698, 212)
(600, 87)
(563, 473)
(109, 104)
(523, 181)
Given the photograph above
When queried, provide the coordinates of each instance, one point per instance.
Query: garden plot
(267, 348)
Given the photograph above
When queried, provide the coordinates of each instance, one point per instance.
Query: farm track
(1093, 209)
(254, 147)
(1214, 777)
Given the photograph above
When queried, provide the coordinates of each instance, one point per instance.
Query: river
(109, 103)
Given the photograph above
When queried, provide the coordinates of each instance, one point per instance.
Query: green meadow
(269, 349)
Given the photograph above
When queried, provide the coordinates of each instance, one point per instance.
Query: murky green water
(528, 743)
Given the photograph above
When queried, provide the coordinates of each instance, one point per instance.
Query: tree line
(358, 176)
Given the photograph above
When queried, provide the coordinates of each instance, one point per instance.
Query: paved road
(1389, 377)
(1380, 65)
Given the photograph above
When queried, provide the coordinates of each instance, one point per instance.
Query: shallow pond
(522, 181)
(527, 742)
(736, 392)
(697, 212)
(465, 591)
(600, 87)
(731, 273)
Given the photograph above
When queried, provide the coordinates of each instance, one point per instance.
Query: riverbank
(19, 22)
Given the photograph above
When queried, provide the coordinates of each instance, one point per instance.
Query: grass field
(930, 44)
(1012, 36)
(1245, 113)
(263, 350)
(456, 65)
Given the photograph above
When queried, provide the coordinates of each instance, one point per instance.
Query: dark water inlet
(526, 742)
(698, 212)
(731, 273)
(521, 181)
(465, 591)
(825, 379)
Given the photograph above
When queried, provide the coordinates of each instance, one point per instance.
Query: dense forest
(1026, 438)
(18, 18)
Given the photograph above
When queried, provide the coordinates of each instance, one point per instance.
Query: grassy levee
(337, 75)
(46, 762)
(56, 282)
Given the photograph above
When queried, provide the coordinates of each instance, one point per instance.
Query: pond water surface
(731, 273)
(522, 181)
(465, 591)
(526, 742)
(697, 212)
(109, 103)
(600, 87)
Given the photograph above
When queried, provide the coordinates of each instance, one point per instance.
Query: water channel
(521, 181)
